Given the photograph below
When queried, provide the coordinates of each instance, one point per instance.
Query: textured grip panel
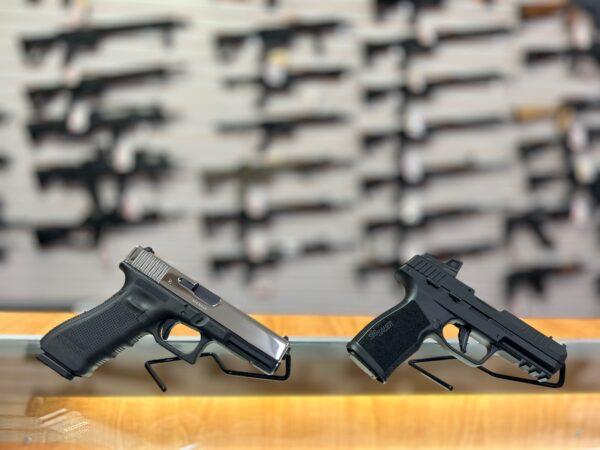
(84, 342)
(391, 338)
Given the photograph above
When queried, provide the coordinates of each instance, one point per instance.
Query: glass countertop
(320, 366)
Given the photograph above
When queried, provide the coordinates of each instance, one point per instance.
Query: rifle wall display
(302, 149)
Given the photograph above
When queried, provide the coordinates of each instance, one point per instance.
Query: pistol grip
(390, 339)
(79, 345)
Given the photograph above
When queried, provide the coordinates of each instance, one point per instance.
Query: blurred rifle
(535, 277)
(429, 86)
(267, 3)
(87, 38)
(37, 2)
(518, 116)
(382, 7)
(412, 46)
(575, 182)
(533, 220)
(476, 249)
(95, 85)
(280, 36)
(245, 219)
(392, 264)
(539, 180)
(89, 173)
(264, 173)
(4, 117)
(89, 232)
(569, 173)
(563, 113)
(528, 149)
(276, 127)
(424, 220)
(284, 83)
(405, 136)
(539, 56)
(275, 256)
(116, 122)
(370, 184)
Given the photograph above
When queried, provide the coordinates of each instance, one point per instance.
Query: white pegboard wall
(315, 285)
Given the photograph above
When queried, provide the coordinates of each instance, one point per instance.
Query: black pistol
(154, 298)
(435, 298)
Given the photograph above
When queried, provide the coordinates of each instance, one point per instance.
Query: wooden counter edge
(37, 323)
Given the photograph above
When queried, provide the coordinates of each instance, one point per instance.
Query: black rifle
(286, 127)
(429, 86)
(386, 265)
(536, 181)
(370, 184)
(533, 221)
(87, 38)
(4, 117)
(90, 173)
(275, 256)
(115, 122)
(280, 36)
(412, 46)
(89, 232)
(575, 184)
(263, 173)
(534, 277)
(269, 85)
(404, 137)
(476, 249)
(95, 85)
(539, 56)
(593, 188)
(65, 3)
(4, 161)
(528, 149)
(245, 219)
(423, 221)
(435, 299)
(382, 7)
(539, 180)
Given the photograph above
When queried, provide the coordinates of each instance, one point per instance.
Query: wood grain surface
(548, 420)
(431, 421)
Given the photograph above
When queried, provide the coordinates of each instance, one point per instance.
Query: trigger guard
(461, 356)
(190, 357)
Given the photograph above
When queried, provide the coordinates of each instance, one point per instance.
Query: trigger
(463, 338)
(167, 326)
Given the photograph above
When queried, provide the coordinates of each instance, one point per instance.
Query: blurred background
(289, 154)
